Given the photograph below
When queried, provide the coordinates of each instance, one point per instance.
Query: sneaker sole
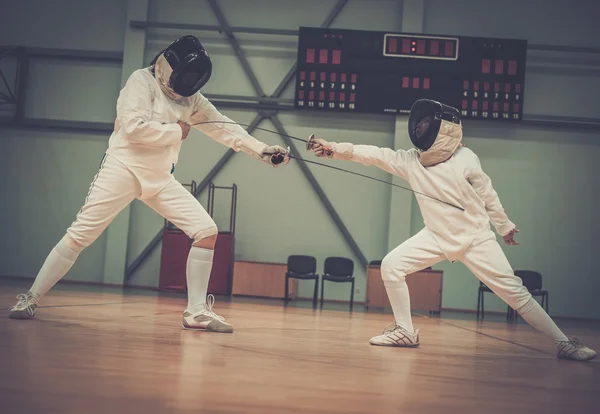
(397, 346)
(21, 316)
(190, 328)
(578, 360)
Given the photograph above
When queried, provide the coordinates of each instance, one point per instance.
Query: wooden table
(262, 279)
(425, 289)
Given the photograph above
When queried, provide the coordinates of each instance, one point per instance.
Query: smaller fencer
(441, 167)
(155, 111)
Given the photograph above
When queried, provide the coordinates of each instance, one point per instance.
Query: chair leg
(285, 293)
(478, 301)
(547, 301)
(316, 293)
(322, 291)
(511, 315)
(482, 305)
(352, 296)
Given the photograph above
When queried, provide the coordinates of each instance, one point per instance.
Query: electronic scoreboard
(381, 72)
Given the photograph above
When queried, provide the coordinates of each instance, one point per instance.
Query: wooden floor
(100, 350)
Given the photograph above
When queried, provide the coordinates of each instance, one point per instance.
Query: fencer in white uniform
(457, 227)
(155, 111)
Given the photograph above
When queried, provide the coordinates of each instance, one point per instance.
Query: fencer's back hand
(275, 155)
(185, 129)
(510, 237)
(320, 147)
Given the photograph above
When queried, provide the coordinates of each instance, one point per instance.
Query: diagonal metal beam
(339, 6)
(236, 46)
(315, 185)
(286, 81)
(203, 184)
(8, 89)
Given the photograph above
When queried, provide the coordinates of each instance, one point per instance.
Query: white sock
(199, 266)
(537, 317)
(57, 264)
(399, 297)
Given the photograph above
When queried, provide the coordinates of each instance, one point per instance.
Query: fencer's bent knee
(521, 300)
(510, 289)
(207, 242)
(200, 234)
(390, 271)
(205, 237)
(68, 248)
(526, 305)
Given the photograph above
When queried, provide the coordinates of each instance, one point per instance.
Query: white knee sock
(199, 266)
(535, 315)
(397, 292)
(57, 264)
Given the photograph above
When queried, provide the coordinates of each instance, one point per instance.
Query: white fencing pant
(485, 258)
(114, 187)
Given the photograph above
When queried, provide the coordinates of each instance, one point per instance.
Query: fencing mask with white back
(435, 130)
(183, 67)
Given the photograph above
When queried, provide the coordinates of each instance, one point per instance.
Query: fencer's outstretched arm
(134, 111)
(394, 162)
(482, 184)
(228, 134)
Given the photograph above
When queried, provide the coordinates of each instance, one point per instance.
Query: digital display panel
(381, 72)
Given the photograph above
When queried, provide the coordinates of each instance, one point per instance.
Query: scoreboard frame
(360, 71)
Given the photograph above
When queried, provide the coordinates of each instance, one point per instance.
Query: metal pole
(136, 24)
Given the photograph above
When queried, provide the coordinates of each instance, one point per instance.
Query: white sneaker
(395, 335)
(26, 306)
(575, 350)
(206, 319)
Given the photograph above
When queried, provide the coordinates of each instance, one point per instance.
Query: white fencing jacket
(147, 138)
(459, 181)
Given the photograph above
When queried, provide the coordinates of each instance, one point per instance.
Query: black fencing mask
(426, 117)
(189, 67)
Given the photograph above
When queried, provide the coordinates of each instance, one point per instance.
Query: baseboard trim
(310, 299)
(460, 310)
(86, 283)
(238, 295)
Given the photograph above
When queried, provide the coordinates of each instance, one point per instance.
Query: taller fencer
(155, 111)
(441, 167)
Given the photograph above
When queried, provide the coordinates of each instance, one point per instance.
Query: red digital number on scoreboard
(421, 47)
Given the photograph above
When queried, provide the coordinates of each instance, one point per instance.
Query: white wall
(63, 24)
(45, 179)
(551, 203)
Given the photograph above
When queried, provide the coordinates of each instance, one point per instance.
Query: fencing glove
(275, 155)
